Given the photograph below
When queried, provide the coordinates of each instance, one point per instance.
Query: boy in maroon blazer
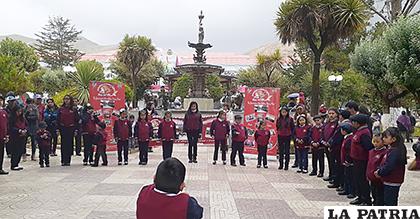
(122, 132)
(164, 198)
(317, 147)
(44, 143)
(219, 130)
(167, 134)
(239, 135)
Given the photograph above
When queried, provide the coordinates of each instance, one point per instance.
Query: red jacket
(239, 133)
(375, 158)
(152, 204)
(167, 130)
(328, 131)
(44, 143)
(359, 150)
(143, 130)
(193, 122)
(392, 168)
(219, 129)
(101, 137)
(3, 124)
(284, 128)
(122, 129)
(316, 136)
(67, 117)
(262, 137)
(302, 133)
(89, 126)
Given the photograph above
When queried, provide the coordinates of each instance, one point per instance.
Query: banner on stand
(261, 104)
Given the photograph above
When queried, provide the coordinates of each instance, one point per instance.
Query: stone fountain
(198, 71)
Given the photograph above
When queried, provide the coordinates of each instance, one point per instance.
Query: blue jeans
(303, 158)
(391, 195)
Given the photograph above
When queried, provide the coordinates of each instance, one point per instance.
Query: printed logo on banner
(371, 212)
(106, 90)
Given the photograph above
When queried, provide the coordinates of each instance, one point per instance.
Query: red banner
(261, 104)
(107, 99)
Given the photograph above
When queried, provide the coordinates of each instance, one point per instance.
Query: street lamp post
(335, 81)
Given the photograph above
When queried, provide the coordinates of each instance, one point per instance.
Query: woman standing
(18, 133)
(193, 125)
(67, 119)
(50, 116)
(285, 128)
(32, 118)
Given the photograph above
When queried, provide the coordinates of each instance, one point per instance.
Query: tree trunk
(315, 84)
(395, 9)
(133, 81)
(386, 105)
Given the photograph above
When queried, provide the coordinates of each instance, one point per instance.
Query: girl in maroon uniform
(262, 138)
(68, 120)
(193, 125)
(122, 132)
(219, 130)
(392, 168)
(143, 132)
(285, 127)
(18, 133)
(302, 140)
(239, 135)
(167, 134)
(89, 121)
(100, 141)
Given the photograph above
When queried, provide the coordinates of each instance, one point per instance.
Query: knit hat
(317, 117)
(344, 113)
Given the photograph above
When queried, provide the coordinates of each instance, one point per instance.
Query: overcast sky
(230, 25)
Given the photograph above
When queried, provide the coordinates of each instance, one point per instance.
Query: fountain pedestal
(204, 104)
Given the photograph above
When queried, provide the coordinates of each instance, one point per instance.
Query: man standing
(3, 133)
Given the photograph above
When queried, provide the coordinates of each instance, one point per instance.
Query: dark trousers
(391, 195)
(67, 135)
(296, 163)
(237, 147)
(362, 184)
(262, 154)
(377, 193)
(303, 158)
(78, 139)
(284, 150)
(54, 138)
(330, 160)
(33, 144)
(143, 151)
(9, 148)
(167, 147)
(348, 180)
(223, 147)
(318, 157)
(44, 155)
(18, 148)
(192, 144)
(88, 148)
(122, 146)
(2, 145)
(101, 152)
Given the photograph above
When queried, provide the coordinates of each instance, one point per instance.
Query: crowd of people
(363, 163)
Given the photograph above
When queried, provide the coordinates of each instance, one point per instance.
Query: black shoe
(47, 165)
(327, 178)
(119, 163)
(140, 163)
(85, 164)
(16, 168)
(242, 164)
(94, 165)
(79, 154)
(332, 186)
(280, 167)
(294, 166)
(258, 166)
(105, 164)
(233, 165)
(305, 171)
(312, 174)
(356, 202)
(339, 189)
(265, 166)
(91, 163)
(2, 172)
(286, 168)
(365, 204)
(66, 164)
(342, 193)
(299, 171)
(224, 162)
(214, 162)
(331, 182)
(41, 165)
(195, 161)
(320, 175)
(351, 196)
(125, 162)
(190, 161)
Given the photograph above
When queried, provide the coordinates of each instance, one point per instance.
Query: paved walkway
(224, 191)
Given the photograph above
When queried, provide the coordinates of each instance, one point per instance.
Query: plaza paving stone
(225, 192)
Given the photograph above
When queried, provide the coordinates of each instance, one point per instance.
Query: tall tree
(55, 44)
(390, 10)
(12, 77)
(134, 54)
(22, 55)
(319, 23)
(86, 71)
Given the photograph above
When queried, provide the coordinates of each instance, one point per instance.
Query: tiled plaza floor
(225, 192)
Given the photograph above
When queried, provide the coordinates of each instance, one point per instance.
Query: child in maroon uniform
(375, 158)
(219, 130)
(68, 122)
(262, 138)
(143, 131)
(167, 134)
(285, 128)
(302, 140)
(18, 133)
(44, 143)
(122, 132)
(328, 131)
(317, 148)
(239, 135)
(164, 198)
(392, 168)
(100, 141)
(89, 121)
(347, 130)
(4, 137)
(193, 125)
(361, 144)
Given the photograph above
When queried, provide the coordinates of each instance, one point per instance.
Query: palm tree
(319, 23)
(86, 71)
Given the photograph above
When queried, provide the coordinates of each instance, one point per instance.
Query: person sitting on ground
(415, 164)
(164, 198)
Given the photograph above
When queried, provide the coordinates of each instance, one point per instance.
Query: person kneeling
(164, 198)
